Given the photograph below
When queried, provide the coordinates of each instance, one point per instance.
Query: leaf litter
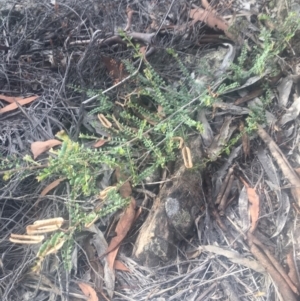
(244, 235)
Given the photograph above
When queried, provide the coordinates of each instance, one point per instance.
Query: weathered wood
(172, 215)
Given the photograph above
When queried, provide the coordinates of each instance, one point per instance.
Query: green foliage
(66, 253)
(258, 112)
(153, 114)
(80, 165)
(261, 59)
(8, 163)
(283, 31)
(104, 103)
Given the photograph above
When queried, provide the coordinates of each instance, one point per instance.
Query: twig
(116, 85)
(258, 252)
(22, 168)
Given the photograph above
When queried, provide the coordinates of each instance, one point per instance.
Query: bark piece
(172, 215)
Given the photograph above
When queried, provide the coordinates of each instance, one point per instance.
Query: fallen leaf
(290, 260)
(274, 183)
(253, 199)
(211, 19)
(160, 111)
(116, 69)
(50, 187)
(220, 140)
(138, 213)
(109, 280)
(88, 291)
(282, 213)
(233, 256)
(253, 208)
(207, 133)
(254, 93)
(284, 89)
(143, 50)
(99, 143)
(125, 190)
(122, 229)
(297, 170)
(291, 113)
(243, 210)
(129, 12)
(100, 244)
(278, 274)
(40, 147)
(282, 162)
(96, 271)
(249, 82)
(21, 102)
(10, 99)
(245, 140)
(119, 265)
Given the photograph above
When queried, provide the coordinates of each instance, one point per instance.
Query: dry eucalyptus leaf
(249, 82)
(109, 279)
(217, 179)
(274, 184)
(283, 213)
(283, 163)
(99, 143)
(243, 210)
(21, 102)
(88, 291)
(119, 265)
(125, 190)
(268, 166)
(39, 147)
(211, 19)
(100, 244)
(291, 113)
(122, 229)
(49, 187)
(234, 257)
(10, 99)
(284, 90)
(207, 133)
(254, 205)
(220, 140)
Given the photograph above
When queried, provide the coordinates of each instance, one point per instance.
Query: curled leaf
(181, 141)
(26, 239)
(45, 226)
(104, 121)
(187, 157)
